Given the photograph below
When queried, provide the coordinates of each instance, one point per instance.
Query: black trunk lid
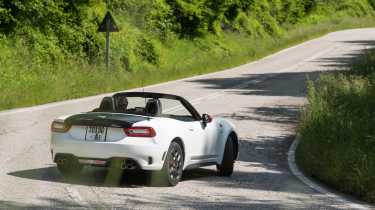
(116, 120)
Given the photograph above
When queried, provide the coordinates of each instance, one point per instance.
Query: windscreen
(174, 109)
(160, 107)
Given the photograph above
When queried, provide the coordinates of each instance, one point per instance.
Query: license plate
(92, 162)
(96, 133)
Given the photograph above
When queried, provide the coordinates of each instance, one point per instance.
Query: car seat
(107, 105)
(153, 107)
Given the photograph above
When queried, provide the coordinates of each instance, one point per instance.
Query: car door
(193, 131)
(203, 138)
(198, 141)
(212, 132)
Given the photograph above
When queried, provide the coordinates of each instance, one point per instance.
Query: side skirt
(198, 165)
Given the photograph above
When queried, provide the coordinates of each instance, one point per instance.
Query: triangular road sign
(108, 24)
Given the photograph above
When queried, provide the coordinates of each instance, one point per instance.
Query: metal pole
(107, 46)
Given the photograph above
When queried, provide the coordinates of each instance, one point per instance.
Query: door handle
(191, 129)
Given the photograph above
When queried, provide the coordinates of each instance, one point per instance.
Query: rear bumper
(114, 162)
(147, 154)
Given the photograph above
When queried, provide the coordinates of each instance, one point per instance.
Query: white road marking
(73, 101)
(315, 186)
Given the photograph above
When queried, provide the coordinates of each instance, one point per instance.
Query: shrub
(338, 137)
(47, 44)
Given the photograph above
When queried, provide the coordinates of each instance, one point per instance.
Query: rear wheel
(226, 166)
(171, 173)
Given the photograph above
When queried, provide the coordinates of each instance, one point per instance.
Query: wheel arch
(179, 141)
(236, 143)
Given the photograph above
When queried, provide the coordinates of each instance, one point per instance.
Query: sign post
(108, 25)
(107, 45)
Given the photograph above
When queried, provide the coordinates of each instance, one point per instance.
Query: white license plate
(92, 162)
(96, 133)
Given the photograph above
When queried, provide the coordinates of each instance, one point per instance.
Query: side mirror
(206, 118)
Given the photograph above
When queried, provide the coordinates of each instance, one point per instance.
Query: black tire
(69, 168)
(226, 166)
(171, 173)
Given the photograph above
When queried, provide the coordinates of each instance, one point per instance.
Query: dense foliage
(338, 135)
(45, 45)
(51, 29)
(60, 28)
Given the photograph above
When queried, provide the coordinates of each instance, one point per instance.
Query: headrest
(107, 105)
(153, 107)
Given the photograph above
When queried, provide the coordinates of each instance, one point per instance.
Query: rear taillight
(140, 132)
(59, 127)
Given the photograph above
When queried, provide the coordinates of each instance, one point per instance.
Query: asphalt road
(262, 99)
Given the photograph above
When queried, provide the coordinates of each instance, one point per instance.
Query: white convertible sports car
(156, 132)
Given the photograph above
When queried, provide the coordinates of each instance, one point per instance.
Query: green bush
(42, 41)
(337, 128)
(52, 29)
(365, 65)
(60, 30)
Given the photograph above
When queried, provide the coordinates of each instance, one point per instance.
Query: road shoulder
(331, 194)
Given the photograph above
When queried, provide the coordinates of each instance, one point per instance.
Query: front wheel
(171, 173)
(226, 166)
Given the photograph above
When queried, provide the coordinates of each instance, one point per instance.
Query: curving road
(262, 99)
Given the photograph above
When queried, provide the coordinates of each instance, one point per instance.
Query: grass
(337, 128)
(179, 58)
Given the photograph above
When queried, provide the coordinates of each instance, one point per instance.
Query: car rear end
(106, 139)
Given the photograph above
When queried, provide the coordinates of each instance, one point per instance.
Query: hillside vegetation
(51, 50)
(337, 128)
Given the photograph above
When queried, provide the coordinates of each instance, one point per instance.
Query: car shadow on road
(90, 176)
(135, 179)
(102, 177)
